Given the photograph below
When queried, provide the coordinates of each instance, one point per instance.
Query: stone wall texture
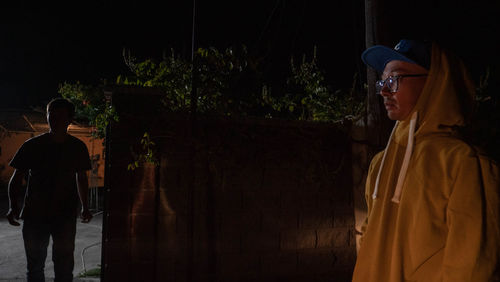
(231, 199)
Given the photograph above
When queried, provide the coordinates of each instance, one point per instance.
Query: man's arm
(83, 191)
(15, 185)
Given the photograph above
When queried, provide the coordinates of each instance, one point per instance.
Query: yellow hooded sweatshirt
(433, 201)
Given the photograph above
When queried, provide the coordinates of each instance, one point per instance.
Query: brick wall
(232, 200)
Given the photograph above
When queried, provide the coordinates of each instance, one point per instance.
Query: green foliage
(94, 272)
(310, 98)
(215, 75)
(146, 155)
(172, 74)
(483, 131)
(91, 105)
(220, 82)
(227, 83)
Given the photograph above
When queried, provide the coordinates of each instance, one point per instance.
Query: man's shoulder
(36, 140)
(447, 148)
(444, 142)
(75, 139)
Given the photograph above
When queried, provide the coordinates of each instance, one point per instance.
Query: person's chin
(392, 115)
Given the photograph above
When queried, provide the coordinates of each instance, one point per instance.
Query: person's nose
(385, 91)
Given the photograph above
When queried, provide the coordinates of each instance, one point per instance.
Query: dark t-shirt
(52, 168)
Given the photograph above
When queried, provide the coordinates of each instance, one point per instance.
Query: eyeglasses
(392, 82)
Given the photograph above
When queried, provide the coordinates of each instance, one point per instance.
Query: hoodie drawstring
(406, 161)
(375, 191)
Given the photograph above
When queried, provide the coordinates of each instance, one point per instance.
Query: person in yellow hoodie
(433, 199)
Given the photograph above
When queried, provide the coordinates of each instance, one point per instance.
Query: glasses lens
(392, 83)
(379, 85)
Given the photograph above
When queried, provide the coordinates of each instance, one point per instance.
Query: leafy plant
(215, 72)
(481, 131)
(227, 83)
(94, 272)
(91, 105)
(310, 98)
(146, 155)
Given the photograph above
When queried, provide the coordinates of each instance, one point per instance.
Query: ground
(13, 260)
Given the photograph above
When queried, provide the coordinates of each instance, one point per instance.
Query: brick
(167, 248)
(174, 198)
(345, 257)
(333, 237)
(259, 241)
(143, 201)
(165, 206)
(306, 199)
(290, 200)
(281, 160)
(142, 226)
(279, 264)
(118, 202)
(229, 242)
(143, 178)
(338, 276)
(139, 272)
(117, 251)
(325, 199)
(117, 225)
(240, 221)
(316, 262)
(167, 225)
(261, 200)
(343, 197)
(344, 218)
(229, 199)
(238, 265)
(279, 220)
(181, 222)
(168, 239)
(249, 178)
(314, 218)
(117, 271)
(142, 250)
(165, 270)
(280, 179)
(297, 239)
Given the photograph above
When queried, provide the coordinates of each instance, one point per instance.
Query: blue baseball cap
(411, 51)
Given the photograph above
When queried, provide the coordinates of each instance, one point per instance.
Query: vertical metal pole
(191, 187)
(107, 192)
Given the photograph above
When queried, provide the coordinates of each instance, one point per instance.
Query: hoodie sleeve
(471, 250)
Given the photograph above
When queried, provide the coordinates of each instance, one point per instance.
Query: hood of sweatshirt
(444, 104)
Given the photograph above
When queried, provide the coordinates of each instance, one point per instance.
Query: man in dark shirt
(56, 164)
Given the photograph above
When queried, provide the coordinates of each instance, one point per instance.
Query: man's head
(60, 113)
(403, 74)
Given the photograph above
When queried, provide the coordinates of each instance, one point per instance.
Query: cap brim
(378, 56)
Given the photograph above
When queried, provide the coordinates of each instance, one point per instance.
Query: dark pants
(36, 236)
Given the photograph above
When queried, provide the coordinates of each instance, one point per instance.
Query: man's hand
(12, 216)
(15, 184)
(83, 191)
(86, 216)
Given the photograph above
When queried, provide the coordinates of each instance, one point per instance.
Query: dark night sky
(39, 48)
(42, 47)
